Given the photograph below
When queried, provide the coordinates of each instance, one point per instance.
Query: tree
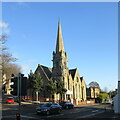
(60, 87)
(51, 87)
(112, 94)
(6, 65)
(103, 97)
(10, 69)
(30, 79)
(37, 83)
(5, 55)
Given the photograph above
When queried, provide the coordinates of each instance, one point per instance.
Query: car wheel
(47, 112)
(37, 113)
(67, 107)
(59, 111)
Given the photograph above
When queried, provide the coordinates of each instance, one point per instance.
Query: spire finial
(59, 20)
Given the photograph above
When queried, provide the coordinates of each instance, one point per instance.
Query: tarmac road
(89, 111)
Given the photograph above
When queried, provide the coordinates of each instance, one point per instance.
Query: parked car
(109, 102)
(9, 100)
(49, 108)
(15, 98)
(67, 105)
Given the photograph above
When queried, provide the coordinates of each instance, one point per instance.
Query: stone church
(73, 82)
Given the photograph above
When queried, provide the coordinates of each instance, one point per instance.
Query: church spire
(59, 45)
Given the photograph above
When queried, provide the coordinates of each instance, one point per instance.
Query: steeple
(59, 45)
(60, 68)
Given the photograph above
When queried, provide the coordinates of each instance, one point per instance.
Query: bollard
(18, 116)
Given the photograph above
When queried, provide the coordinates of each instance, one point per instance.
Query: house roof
(47, 70)
(94, 84)
(72, 72)
(81, 78)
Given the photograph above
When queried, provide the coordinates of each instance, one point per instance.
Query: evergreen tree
(60, 87)
(51, 87)
(30, 78)
(36, 82)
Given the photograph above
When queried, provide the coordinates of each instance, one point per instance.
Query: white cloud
(3, 25)
(4, 28)
(25, 68)
(28, 65)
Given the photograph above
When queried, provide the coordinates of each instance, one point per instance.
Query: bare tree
(11, 68)
(6, 60)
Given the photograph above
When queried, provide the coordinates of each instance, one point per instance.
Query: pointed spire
(59, 45)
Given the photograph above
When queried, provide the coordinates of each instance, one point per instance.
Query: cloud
(28, 65)
(4, 28)
(25, 68)
(3, 25)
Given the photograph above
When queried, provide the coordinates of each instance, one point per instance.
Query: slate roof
(47, 70)
(94, 84)
(81, 78)
(72, 72)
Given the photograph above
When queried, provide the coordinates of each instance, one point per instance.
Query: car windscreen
(46, 105)
(68, 102)
(9, 98)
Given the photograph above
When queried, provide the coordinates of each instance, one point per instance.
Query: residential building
(93, 90)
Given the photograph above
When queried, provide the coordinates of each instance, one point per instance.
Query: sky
(90, 36)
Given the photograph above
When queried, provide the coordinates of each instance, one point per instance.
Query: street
(28, 112)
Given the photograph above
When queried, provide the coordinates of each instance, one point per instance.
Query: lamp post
(19, 96)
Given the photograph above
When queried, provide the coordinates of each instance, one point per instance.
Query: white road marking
(27, 116)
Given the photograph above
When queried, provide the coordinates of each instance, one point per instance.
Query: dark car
(15, 98)
(49, 108)
(67, 105)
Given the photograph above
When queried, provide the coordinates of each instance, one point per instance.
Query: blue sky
(90, 37)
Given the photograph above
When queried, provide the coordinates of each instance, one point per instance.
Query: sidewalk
(82, 105)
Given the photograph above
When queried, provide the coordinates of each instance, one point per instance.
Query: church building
(73, 82)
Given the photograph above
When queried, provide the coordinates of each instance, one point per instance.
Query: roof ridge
(43, 71)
